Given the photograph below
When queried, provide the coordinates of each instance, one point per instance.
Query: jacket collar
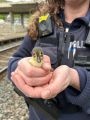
(76, 23)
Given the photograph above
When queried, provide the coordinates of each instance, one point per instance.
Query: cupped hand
(27, 90)
(61, 79)
(31, 71)
(28, 78)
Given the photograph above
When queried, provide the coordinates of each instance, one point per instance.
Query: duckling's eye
(41, 54)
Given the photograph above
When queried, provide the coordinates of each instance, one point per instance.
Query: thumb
(46, 63)
(47, 66)
(52, 89)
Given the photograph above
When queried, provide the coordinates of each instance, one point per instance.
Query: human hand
(26, 76)
(61, 79)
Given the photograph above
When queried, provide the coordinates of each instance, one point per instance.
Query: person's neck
(73, 11)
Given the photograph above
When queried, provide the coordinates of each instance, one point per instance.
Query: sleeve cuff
(12, 66)
(82, 78)
(83, 98)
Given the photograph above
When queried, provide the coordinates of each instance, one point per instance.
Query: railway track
(12, 106)
(5, 54)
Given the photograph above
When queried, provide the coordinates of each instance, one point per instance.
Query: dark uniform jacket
(71, 103)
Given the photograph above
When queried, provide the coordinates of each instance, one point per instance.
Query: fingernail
(46, 94)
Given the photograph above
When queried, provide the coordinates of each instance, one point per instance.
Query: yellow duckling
(37, 57)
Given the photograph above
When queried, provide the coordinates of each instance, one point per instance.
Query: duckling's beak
(38, 58)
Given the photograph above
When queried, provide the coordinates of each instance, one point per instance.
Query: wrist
(74, 82)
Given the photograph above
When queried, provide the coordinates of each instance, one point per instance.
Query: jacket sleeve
(23, 51)
(81, 98)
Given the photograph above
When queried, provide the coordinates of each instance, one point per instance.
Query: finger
(41, 80)
(46, 58)
(52, 90)
(35, 81)
(59, 82)
(13, 78)
(30, 70)
(35, 75)
(33, 92)
(47, 63)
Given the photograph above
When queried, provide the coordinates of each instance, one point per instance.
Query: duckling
(37, 57)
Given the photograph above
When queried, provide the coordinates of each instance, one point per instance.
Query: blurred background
(14, 20)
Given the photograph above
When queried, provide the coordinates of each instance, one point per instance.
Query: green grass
(2, 17)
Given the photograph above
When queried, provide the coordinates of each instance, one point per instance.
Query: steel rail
(3, 69)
